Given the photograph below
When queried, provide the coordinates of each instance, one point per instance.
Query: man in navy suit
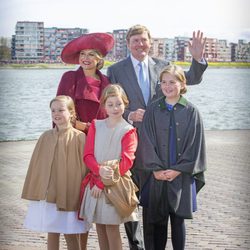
(127, 74)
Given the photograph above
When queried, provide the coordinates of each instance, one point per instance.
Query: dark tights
(178, 234)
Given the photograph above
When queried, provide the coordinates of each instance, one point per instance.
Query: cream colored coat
(56, 169)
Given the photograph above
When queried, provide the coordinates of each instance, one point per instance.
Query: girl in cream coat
(54, 177)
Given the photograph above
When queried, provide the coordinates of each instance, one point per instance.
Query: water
(222, 98)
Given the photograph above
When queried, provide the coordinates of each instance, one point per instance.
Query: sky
(222, 19)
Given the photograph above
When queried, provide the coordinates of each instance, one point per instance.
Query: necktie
(143, 83)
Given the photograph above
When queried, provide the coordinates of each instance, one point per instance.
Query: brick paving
(221, 222)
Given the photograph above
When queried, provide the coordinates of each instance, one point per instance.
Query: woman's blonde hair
(69, 104)
(114, 90)
(100, 64)
(178, 73)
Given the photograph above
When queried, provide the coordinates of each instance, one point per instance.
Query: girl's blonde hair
(178, 73)
(70, 106)
(114, 90)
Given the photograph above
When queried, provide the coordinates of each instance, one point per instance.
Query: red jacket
(74, 84)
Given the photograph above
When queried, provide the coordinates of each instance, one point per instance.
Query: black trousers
(156, 234)
(134, 234)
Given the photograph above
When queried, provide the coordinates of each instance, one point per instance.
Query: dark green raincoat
(152, 155)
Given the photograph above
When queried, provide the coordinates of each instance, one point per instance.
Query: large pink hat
(103, 42)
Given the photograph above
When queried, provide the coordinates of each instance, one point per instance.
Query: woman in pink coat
(86, 84)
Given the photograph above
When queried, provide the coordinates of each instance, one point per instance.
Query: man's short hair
(137, 30)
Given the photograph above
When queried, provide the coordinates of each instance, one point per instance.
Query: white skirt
(43, 216)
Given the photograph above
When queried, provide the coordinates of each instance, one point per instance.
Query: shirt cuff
(202, 61)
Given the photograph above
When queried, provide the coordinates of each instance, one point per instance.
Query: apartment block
(28, 41)
(56, 38)
(170, 49)
(224, 51)
(158, 48)
(120, 50)
(34, 43)
(211, 49)
(242, 51)
(170, 54)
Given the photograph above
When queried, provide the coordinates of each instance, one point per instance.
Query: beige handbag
(120, 190)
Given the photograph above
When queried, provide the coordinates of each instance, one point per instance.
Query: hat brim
(102, 42)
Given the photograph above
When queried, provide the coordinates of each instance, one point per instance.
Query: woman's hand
(80, 125)
(83, 126)
(96, 192)
(106, 172)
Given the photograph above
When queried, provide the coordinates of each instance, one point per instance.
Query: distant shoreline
(220, 64)
(213, 130)
(108, 63)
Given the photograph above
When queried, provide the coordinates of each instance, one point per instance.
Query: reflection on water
(222, 99)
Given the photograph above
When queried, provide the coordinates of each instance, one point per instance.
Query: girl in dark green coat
(170, 162)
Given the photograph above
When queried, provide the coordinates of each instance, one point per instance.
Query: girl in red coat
(110, 139)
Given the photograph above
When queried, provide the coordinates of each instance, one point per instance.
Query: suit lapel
(153, 75)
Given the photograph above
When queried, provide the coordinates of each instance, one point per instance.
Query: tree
(5, 51)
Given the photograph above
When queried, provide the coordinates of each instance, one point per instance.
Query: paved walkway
(221, 222)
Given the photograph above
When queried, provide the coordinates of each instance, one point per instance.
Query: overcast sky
(223, 19)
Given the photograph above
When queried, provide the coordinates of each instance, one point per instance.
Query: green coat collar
(182, 101)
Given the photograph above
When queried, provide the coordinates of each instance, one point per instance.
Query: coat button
(178, 139)
(177, 123)
(179, 154)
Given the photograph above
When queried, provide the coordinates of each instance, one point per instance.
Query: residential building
(181, 43)
(28, 41)
(158, 48)
(34, 43)
(56, 38)
(170, 54)
(120, 50)
(223, 51)
(13, 47)
(233, 47)
(211, 50)
(243, 51)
